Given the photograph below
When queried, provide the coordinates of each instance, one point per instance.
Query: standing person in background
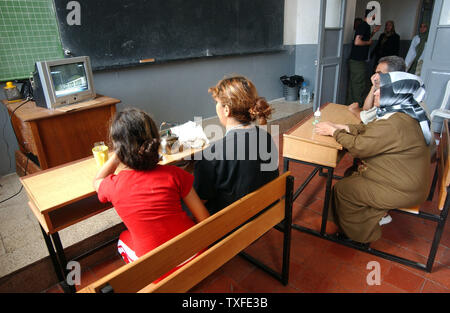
(356, 23)
(358, 83)
(415, 52)
(388, 43)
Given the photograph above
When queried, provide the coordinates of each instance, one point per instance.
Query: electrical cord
(21, 187)
(15, 134)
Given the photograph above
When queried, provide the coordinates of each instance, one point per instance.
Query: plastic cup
(100, 152)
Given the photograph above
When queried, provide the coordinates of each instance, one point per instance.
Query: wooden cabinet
(49, 138)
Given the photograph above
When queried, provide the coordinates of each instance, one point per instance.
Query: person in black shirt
(358, 82)
(388, 43)
(246, 158)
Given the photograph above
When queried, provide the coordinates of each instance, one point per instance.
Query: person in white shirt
(415, 52)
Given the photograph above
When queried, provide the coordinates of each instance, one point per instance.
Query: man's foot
(385, 220)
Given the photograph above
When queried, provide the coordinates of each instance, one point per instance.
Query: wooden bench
(224, 235)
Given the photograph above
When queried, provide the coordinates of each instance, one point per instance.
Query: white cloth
(189, 133)
(126, 252)
(411, 55)
(368, 115)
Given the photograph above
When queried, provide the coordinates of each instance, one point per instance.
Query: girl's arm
(108, 168)
(196, 206)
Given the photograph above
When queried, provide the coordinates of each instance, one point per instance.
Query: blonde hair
(240, 95)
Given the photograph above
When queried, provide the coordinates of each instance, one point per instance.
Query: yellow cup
(100, 154)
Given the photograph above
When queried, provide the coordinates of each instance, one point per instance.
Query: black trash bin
(291, 87)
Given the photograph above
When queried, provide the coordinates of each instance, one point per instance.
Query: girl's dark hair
(240, 95)
(135, 138)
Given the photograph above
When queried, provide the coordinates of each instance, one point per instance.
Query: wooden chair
(224, 235)
(443, 111)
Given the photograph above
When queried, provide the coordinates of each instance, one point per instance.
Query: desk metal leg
(58, 259)
(326, 203)
(51, 251)
(330, 176)
(62, 260)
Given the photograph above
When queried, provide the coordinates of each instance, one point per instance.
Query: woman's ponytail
(261, 111)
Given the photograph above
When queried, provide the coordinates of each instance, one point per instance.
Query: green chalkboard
(28, 33)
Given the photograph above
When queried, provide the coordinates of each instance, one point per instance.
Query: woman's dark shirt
(239, 163)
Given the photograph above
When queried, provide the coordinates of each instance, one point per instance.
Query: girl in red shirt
(147, 196)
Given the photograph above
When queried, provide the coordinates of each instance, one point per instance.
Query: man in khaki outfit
(395, 152)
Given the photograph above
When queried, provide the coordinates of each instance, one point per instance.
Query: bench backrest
(139, 275)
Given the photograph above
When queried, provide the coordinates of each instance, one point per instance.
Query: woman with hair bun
(145, 195)
(246, 157)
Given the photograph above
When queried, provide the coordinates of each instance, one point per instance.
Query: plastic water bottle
(316, 117)
(304, 94)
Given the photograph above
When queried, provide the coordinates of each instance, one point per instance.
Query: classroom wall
(178, 91)
(174, 91)
(301, 31)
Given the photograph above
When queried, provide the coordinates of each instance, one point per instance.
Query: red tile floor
(322, 266)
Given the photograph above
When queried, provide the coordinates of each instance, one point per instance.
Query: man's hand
(328, 128)
(325, 128)
(376, 29)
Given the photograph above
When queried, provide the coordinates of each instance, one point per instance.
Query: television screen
(69, 78)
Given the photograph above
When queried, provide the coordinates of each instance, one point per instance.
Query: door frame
(322, 62)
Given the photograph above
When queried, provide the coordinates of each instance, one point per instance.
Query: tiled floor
(318, 265)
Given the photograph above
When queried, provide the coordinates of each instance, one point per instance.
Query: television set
(63, 81)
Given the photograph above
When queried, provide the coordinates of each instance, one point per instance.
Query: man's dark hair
(356, 22)
(394, 63)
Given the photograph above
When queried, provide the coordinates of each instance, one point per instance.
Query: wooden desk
(55, 137)
(301, 145)
(64, 195)
(300, 142)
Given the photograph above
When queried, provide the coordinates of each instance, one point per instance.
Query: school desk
(64, 195)
(302, 145)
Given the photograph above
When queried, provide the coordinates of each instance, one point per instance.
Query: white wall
(301, 24)
(349, 19)
(290, 22)
(404, 13)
